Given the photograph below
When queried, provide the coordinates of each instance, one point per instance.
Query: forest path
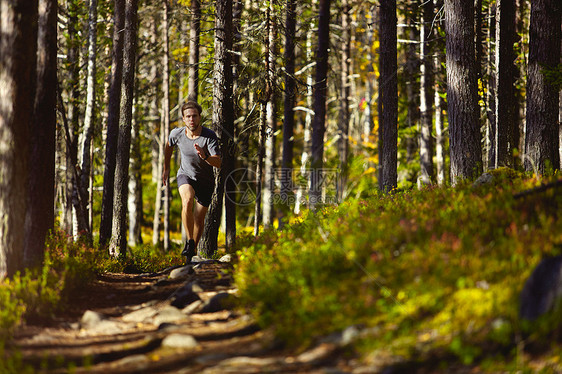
(154, 323)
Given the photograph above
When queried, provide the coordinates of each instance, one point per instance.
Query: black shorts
(203, 191)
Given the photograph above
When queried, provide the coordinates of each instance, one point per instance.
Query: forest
(355, 134)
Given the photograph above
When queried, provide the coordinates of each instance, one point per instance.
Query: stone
(482, 180)
(140, 315)
(542, 290)
(179, 341)
(220, 301)
(245, 361)
(186, 295)
(182, 272)
(91, 318)
(226, 258)
(193, 307)
(168, 314)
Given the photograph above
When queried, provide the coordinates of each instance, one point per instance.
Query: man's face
(191, 118)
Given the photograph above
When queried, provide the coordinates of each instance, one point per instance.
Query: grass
(436, 274)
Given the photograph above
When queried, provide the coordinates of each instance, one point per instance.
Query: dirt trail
(151, 323)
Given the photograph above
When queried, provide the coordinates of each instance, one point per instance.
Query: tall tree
(307, 141)
(165, 127)
(89, 117)
(388, 97)
(506, 120)
(426, 95)
(134, 204)
(462, 91)
(118, 243)
(345, 82)
(18, 56)
(223, 121)
(541, 139)
(319, 105)
(41, 193)
(271, 120)
(112, 122)
(289, 103)
(194, 31)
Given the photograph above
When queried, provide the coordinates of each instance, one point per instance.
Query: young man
(200, 152)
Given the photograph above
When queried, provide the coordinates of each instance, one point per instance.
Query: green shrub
(437, 269)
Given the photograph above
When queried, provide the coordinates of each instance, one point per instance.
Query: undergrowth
(36, 295)
(430, 274)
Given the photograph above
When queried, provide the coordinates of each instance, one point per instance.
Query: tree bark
(306, 149)
(427, 80)
(462, 92)
(319, 105)
(491, 90)
(18, 56)
(271, 123)
(388, 97)
(289, 104)
(41, 194)
(89, 118)
(506, 120)
(259, 168)
(165, 128)
(134, 203)
(344, 113)
(223, 120)
(194, 31)
(541, 141)
(112, 123)
(118, 243)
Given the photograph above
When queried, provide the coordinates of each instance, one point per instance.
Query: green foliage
(436, 270)
(145, 259)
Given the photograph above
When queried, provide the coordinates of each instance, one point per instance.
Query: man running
(200, 152)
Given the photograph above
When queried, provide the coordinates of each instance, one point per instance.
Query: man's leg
(199, 221)
(187, 194)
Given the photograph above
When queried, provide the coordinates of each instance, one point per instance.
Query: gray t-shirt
(192, 165)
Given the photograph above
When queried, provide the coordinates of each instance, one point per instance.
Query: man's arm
(215, 160)
(167, 157)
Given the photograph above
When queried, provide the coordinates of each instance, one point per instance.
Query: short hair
(190, 104)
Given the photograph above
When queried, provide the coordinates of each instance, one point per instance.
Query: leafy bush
(437, 269)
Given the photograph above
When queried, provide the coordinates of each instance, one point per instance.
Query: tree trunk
(427, 80)
(259, 168)
(194, 31)
(230, 162)
(490, 99)
(462, 92)
(319, 106)
(41, 194)
(411, 72)
(89, 118)
(118, 243)
(506, 120)
(440, 138)
(18, 57)
(306, 149)
(541, 141)
(388, 97)
(289, 104)
(271, 123)
(223, 121)
(165, 128)
(345, 82)
(73, 120)
(112, 123)
(134, 204)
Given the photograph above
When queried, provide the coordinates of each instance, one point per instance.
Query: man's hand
(200, 151)
(165, 176)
